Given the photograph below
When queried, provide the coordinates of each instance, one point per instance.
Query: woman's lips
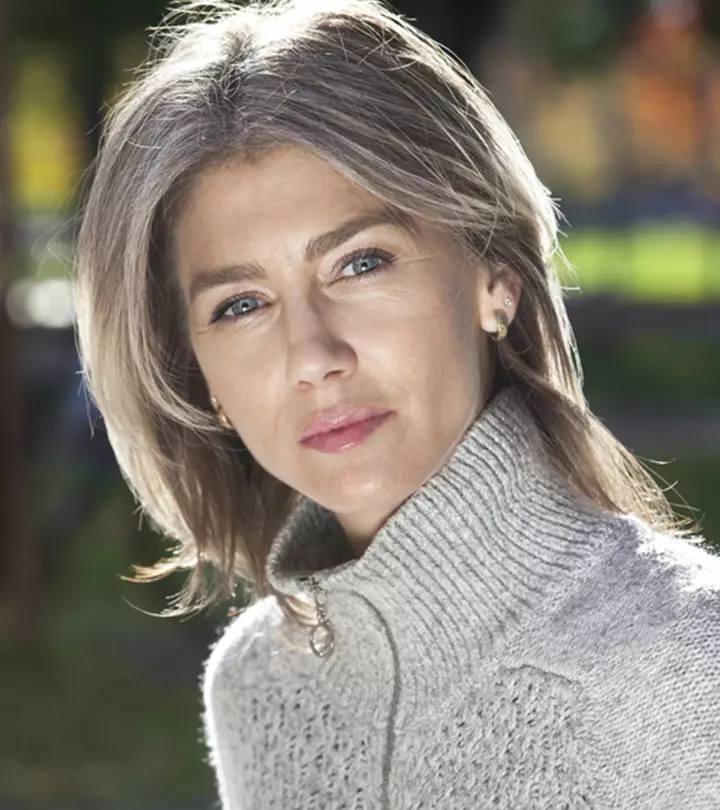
(335, 441)
(339, 417)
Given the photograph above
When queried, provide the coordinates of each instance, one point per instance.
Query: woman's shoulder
(647, 599)
(674, 582)
(646, 641)
(239, 654)
(666, 576)
(691, 563)
(646, 611)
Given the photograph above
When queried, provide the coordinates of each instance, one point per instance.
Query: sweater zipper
(321, 637)
(322, 643)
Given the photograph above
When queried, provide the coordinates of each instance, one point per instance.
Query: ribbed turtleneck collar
(489, 540)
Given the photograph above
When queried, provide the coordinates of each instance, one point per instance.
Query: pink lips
(338, 432)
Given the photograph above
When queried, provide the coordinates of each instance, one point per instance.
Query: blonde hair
(392, 111)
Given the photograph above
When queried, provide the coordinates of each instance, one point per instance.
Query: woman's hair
(387, 107)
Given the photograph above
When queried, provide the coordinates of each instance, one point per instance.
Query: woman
(318, 309)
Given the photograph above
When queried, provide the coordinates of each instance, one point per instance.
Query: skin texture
(407, 336)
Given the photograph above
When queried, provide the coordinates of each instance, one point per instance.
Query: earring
(507, 302)
(502, 323)
(222, 416)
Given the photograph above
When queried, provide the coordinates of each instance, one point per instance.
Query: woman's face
(284, 324)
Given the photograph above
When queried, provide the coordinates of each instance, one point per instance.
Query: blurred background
(617, 103)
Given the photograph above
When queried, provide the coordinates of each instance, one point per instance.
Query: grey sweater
(502, 643)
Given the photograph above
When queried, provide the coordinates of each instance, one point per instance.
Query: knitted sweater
(502, 643)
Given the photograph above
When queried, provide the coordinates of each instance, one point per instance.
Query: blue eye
(234, 308)
(365, 262)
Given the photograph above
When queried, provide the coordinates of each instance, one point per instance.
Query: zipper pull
(321, 636)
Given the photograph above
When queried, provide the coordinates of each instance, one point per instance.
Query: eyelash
(386, 259)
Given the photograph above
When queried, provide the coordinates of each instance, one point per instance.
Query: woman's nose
(316, 346)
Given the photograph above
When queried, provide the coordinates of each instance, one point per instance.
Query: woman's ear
(498, 288)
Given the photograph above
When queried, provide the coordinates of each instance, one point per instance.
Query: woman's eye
(364, 263)
(236, 308)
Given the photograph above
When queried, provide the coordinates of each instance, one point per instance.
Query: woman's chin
(347, 495)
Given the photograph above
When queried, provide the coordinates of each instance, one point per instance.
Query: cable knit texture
(502, 643)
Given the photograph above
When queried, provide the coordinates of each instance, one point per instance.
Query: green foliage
(661, 373)
(698, 482)
(65, 23)
(666, 262)
(656, 370)
(80, 727)
(85, 718)
(581, 34)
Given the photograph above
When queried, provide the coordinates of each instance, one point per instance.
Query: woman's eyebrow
(315, 248)
(320, 245)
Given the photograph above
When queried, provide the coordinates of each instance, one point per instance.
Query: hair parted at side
(385, 105)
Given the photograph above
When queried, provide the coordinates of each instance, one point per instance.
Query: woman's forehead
(289, 191)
